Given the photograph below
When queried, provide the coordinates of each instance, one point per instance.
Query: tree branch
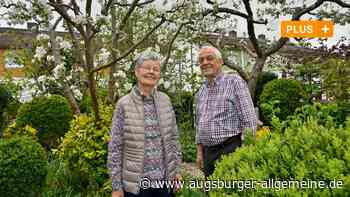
(106, 8)
(172, 42)
(138, 5)
(9, 5)
(233, 66)
(131, 49)
(234, 12)
(60, 10)
(340, 3)
(76, 8)
(251, 30)
(88, 7)
(128, 14)
(76, 51)
(282, 41)
(237, 68)
(54, 26)
(298, 15)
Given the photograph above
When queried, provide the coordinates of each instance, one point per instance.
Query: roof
(19, 38)
(289, 50)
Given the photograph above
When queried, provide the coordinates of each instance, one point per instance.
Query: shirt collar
(139, 93)
(217, 80)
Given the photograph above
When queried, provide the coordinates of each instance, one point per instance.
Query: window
(13, 61)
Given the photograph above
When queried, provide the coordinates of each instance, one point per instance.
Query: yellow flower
(263, 131)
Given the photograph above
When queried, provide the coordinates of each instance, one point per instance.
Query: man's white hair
(216, 51)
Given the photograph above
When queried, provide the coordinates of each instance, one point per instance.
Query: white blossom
(42, 37)
(166, 84)
(127, 67)
(58, 71)
(121, 74)
(39, 52)
(77, 93)
(65, 45)
(101, 18)
(80, 69)
(127, 86)
(42, 78)
(80, 19)
(187, 87)
(104, 56)
(59, 39)
(42, 2)
(50, 58)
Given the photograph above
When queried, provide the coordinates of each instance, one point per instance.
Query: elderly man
(224, 110)
(144, 144)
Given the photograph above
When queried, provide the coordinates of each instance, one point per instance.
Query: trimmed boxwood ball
(263, 79)
(22, 167)
(50, 116)
(285, 94)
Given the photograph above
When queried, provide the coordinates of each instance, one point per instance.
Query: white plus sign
(325, 29)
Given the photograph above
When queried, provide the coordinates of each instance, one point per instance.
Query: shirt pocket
(224, 107)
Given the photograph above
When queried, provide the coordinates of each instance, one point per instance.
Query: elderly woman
(144, 147)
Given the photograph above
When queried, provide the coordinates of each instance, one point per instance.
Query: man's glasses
(208, 58)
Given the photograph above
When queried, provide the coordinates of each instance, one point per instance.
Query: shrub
(84, 148)
(188, 142)
(281, 97)
(183, 103)
(304, 151)
(60, 181)
(5, 97)
(263, 79)
(50, 116)
(14, 131)
(23, 167)
(338, 112)
(85, 104)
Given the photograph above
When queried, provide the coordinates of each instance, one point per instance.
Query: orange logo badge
(306, 29)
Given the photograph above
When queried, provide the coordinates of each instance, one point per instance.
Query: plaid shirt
(224, 109)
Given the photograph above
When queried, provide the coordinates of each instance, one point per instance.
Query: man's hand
(199, 160)
(119, 193)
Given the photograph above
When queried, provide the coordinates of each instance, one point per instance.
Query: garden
(77, 62)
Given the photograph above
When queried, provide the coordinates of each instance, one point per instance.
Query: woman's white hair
(147, 55)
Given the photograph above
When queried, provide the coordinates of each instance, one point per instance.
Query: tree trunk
(72, 102)
(91, 79)
(66, 89)
(111, 86)
(256, 71)
(92, 88)
(111, 82)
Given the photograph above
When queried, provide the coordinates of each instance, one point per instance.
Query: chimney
(262, 37)
(232, 34)
(32, 26)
